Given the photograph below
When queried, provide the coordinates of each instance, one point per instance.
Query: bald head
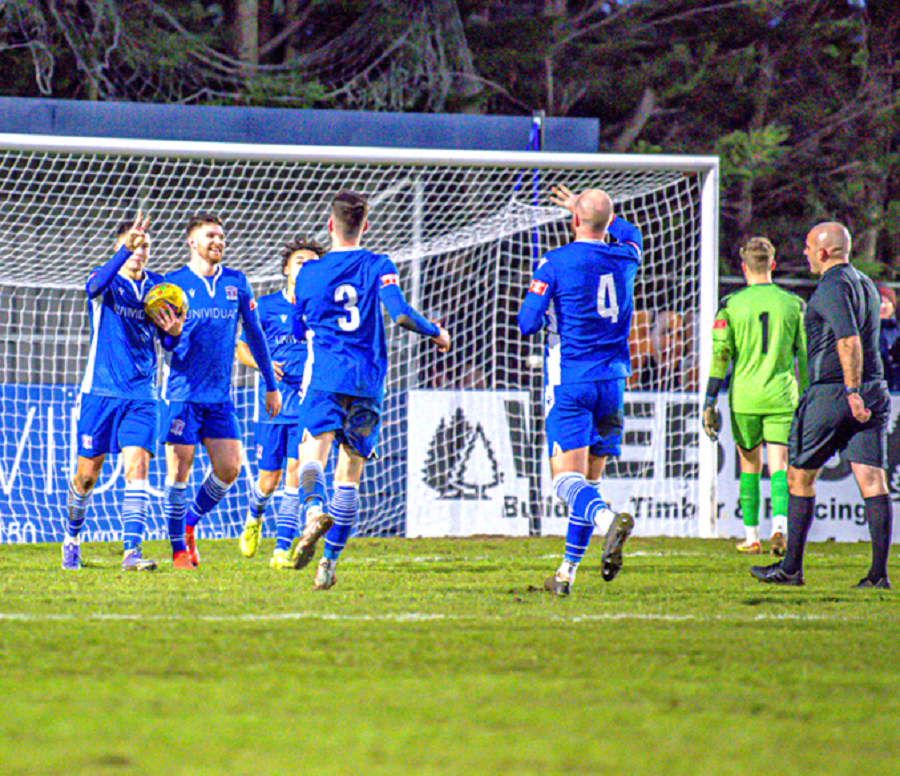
(593, 212)
(834, 238)
(827, 243)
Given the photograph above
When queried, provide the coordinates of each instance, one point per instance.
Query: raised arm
(628, 237)
(98, 281)
(537, 299)
(100, 278)
(403, 314)
(623, 233)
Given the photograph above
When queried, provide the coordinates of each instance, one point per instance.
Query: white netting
(464, 238)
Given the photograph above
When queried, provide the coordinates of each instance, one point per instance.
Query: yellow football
(162, 294)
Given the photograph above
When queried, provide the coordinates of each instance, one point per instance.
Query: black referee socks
(800, 517)
(879, 514)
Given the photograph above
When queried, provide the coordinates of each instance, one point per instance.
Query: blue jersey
(338, 299)
(584, 293)
(122, 356)
(276, 316)
(199, 367)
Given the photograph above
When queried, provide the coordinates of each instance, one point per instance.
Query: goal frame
(707, 167)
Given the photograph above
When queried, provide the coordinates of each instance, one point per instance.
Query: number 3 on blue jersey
(607, 302)
(349, 296)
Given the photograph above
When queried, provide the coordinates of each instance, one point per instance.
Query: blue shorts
(107, 425)
(585, 415)
(188, 422)
(275, 442)
(355, 419)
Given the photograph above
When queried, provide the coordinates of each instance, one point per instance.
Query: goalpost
(462, 447)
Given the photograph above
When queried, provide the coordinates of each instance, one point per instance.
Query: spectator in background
(661, 369)
(889, 339)
(690, 362)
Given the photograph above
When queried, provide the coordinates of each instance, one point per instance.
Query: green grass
(440, 657)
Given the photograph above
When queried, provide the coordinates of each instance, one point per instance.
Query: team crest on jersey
(390, 280)
(720, 323)
(538, 287)
(87, 442)
(177, 427)
(231, 293)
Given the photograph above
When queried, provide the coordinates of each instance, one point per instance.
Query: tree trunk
(265, 30)
(246, 34)
(555, 12)
(450, 37)
(758, 121)
(632, 131)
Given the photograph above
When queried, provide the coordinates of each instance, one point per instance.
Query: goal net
(461, 448)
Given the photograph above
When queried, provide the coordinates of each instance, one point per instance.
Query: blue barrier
(290, 126)
(38, 454)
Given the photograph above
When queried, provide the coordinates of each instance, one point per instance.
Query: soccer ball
(162, 294)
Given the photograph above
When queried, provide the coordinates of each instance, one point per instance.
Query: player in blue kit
(198, 386)
(117, 405)
(278, 440)
(338, 302)
(583, 291)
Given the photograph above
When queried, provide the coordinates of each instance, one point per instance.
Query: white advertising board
(462, 476)
(839, 515)
(659, 486)
(655, 478)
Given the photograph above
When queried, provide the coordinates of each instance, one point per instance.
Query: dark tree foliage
(798, 97)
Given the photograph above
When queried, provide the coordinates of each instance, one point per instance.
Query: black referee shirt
(845, 303)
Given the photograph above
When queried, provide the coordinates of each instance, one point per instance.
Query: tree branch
(289, 30)
(645, 111)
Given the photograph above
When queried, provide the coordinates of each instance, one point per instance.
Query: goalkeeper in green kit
(760, 330)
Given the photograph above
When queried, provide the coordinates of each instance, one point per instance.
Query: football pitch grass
(445, 657)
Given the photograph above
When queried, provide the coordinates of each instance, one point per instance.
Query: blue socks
(134, 513)
(344, 508)
(585, 502)
(211, 492)
(287, 521)
(578, 537)
(312, 483)
(77, 509)
(175, 507)
(258, 501)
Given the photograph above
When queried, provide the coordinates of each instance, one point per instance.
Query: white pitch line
(713, 617)
(398, 617)
(426, 617)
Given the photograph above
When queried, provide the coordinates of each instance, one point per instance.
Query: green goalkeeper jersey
(760, 329)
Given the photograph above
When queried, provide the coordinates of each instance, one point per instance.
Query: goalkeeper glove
(711, 419)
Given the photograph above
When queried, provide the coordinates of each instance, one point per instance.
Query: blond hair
(757, 253)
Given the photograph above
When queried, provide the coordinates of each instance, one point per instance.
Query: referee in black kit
(846, 406)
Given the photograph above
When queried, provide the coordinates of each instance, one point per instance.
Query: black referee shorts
(823, 425)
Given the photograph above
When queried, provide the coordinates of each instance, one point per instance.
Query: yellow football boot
(250, 537)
